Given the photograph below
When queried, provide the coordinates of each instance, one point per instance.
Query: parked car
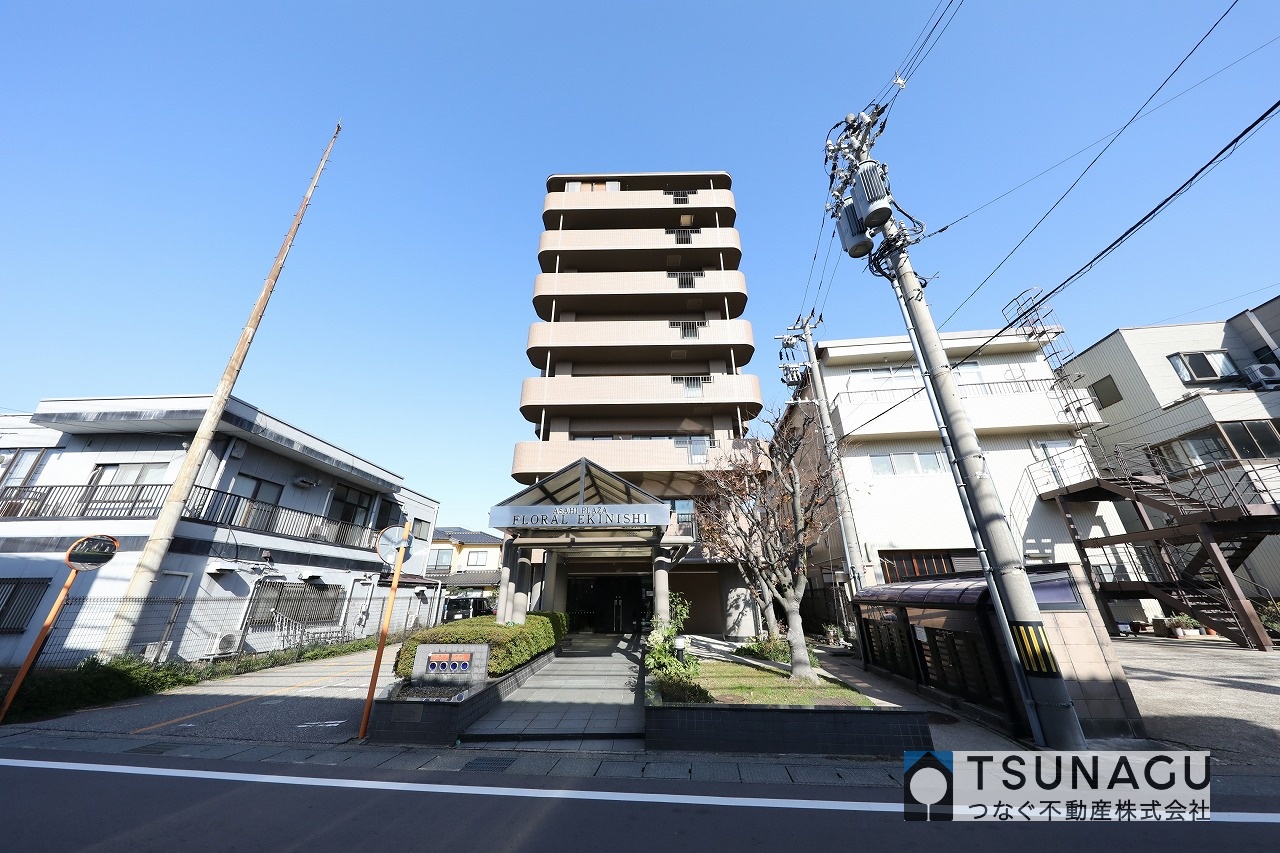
(466, 608)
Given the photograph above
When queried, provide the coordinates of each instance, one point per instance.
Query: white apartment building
(640, 349)
(910, 522)
(277, 537)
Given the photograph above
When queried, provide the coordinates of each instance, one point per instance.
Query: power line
(1213, 162)
(1216, 304)
(1103, 138)
(1096, 158)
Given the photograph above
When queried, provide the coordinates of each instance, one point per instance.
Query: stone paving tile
(666, 770)
(207, 750)
(621, 769)
(452, 760)
(715, 771)
(871, 777)
(105, 744)
(373, 758)
(533, 765)
(411, 760)
(293, 755)
(803, 774)
(575, 767)
(763, 773)
(327, 757)
(256, 753)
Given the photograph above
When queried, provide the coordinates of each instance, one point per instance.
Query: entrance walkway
(591, 696)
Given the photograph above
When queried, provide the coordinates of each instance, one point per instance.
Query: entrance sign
(582, 515)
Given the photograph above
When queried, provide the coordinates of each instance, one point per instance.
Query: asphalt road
(136, 805)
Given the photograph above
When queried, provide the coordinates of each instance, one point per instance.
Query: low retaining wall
(784, 728)
(442, 722)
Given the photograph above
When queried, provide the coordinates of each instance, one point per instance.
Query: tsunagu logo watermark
(1062, 786)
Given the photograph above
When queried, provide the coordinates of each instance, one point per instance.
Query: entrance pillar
(505, 571)
(662, 586)
(523, 582)
(550, 580)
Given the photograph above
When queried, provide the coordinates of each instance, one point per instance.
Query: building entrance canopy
(588, 511)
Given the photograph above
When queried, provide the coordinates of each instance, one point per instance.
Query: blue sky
(152, 154)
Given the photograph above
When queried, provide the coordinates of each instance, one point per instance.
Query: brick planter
(784, 729)
(433, 721)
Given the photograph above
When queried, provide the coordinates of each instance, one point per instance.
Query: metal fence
(225, 627)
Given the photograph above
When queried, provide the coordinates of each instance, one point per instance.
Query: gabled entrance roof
(581, 483)
(587, 511)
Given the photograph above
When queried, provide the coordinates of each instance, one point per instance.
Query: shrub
(660, 654)
(93, 682)
(1182, 620)
(681, 688)
(509, 645)
(776, 649)
(559, 621)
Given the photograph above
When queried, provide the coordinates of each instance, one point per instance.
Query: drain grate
(155, 748)
(492, 764)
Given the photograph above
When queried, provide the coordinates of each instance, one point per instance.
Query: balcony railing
(967, 389)
(224, 508)
(81, 501)
(208, 505)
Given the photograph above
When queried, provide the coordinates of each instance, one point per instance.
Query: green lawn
(741, 684)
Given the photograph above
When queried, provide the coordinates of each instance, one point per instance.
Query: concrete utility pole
(862, 208)
(144, 575)
(848, 528)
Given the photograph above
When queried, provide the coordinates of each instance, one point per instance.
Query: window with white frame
(477, 558)
(907, 464)
(1207, 366)
(21, 467)
(440, 558)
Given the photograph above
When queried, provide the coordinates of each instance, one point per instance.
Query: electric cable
(1096, 158)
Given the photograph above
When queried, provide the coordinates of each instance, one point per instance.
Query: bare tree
(764, 508)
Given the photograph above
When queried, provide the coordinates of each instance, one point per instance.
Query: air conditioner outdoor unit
(226, 643)
(1263, 375)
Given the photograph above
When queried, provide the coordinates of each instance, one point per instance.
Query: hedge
(509, 645)
(559, 621)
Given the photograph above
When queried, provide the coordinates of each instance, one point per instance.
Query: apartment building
(277, 536)
(1190, 448)
(640, 349)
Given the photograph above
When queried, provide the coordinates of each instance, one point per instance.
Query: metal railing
(82, 501)
(224, 508)
(1217, 483)
(967, 389)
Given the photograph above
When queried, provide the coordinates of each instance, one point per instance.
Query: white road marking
(322, 724)
(520, 793)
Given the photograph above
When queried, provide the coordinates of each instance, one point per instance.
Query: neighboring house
(640, 351)
(467, 563)
(909, 518)
(277, 537)
(1191, 447)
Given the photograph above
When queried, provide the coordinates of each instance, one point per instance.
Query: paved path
(591, 696)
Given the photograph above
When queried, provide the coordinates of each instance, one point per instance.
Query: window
(421, 529)
(22, 467)
(1203, 366)
(1253, 439)
(685, 518)
(477, 558)
(19, 598)
(1105, 392)
(899, 464)
(309, 604)
(131, 474)
(872, 378)
(905, 565)
(440, 559)
(389, 513)
(350, 505)
(259, 491)
(1198, 448)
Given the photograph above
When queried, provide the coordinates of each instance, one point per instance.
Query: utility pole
(158, 542)
(848, 528)
(863, 209)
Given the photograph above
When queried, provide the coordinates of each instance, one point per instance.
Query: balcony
(641, 341)
(643, 292)
(638, 209)
(1012, 406)
(643, 396)
(628, 458)
(630, 249)
(143, 502)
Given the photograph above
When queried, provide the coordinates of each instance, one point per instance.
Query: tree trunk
(800, 668)
(766, 608)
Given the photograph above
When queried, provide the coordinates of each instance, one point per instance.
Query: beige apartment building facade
(639, 347)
